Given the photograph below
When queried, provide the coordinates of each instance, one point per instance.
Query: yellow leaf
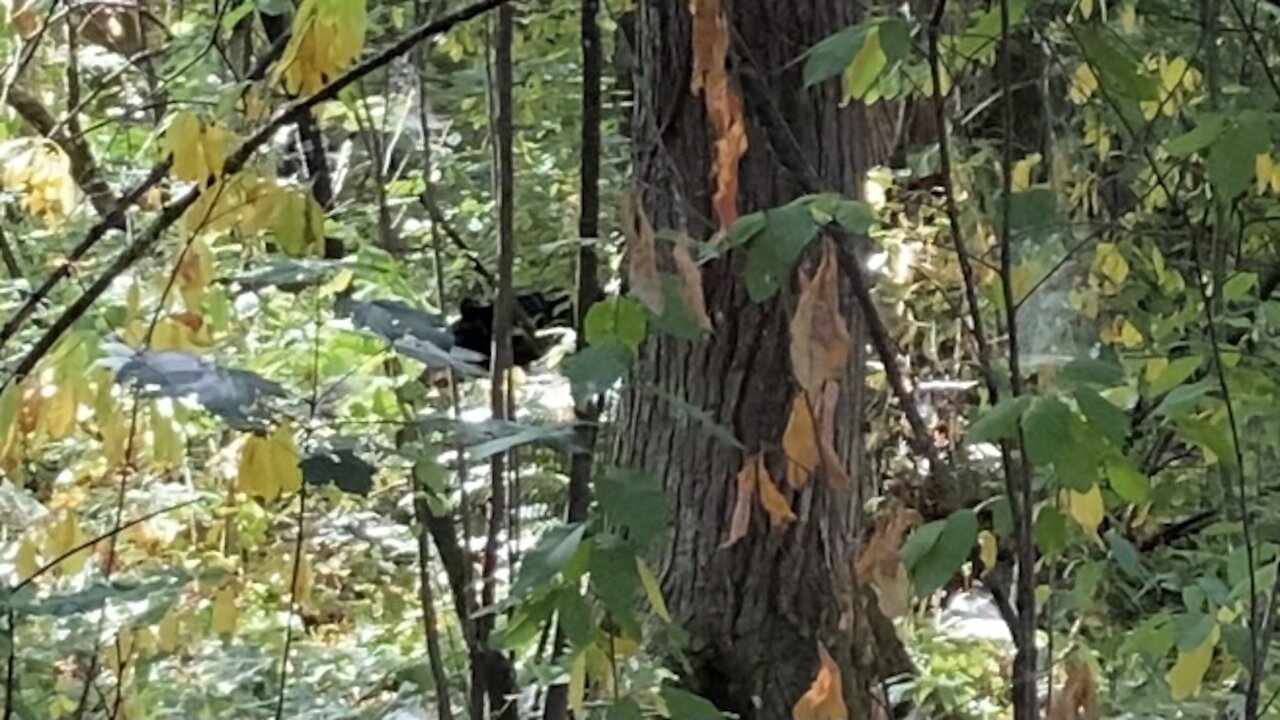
(1086, 9)
(61, 539)
(1022, 172)
(642, 256)
(254, 472)
(224, 612)
(1083, 84)
(1111, 264)
(652, 590)
(297, 223)
(283, 458)
(302, 583)
(168, 637)
(27, 562)
(1154, 368)
(578, 684)
(1123, 332)
(1263, 167)
(58, 413)
(800, 443)
(195, 273)
(1129, 19)
(825, 698)
(1087, 508)
(819, 335)
(989, 550)
(1188, 670)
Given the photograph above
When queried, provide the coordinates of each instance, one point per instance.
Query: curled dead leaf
(1078, 698)
(825, 698)
(642, 256)
(771, 499)
(800, 443)
(820, 340)
(831, 462)
(690, 281)
(747, 484)
(724, 106)
(882, 553)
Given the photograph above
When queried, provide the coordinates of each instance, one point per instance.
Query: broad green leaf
(1033, 215)
(1207, 130)
(1046, 430)
(1077, 470)
(921, 541)
(575, 618)
(895, 38)
(1050, 531)
(1175, 374)
(594, 370)
(1184, 397)
(999, 422)
(634, 500)
(746, 228)
(1240, 285)
(1230, 164)
(1103, 417)
(614, 580)
(677, 318)
(625, 708)
(616, 319)
(943, 559)
(683, 705)
(1119, 69)
(864, 71)
(831, 56)
(773, 252)
(1126, 480)
(1126, 554)
(553, 550)
(1093, 372)
(1187, 673)
(855, 216)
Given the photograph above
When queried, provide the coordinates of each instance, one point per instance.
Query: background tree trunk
(754, 612)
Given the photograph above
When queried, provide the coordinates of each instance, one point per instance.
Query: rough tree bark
(754, 612)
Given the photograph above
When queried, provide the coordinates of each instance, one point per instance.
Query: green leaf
(594, 370)
(625, 708)
(634, 500)
(1193, 629)
(1046, 429)
(773, 253)
(1126, 480)
(1078, 469)
(1050, 531)
(614, 580)
(616, 319)
(1033, 215)
(747, 227)
(864, 71)
(1119, 70)
(921, 541)
(1230, 163)
(831, 56)
(1175, 374)
(1183, 397)
(1126, 554)
(1207, 130)
(526, 624)
(855, 216)
(999, 422)
(1103, 417)
(1089, 371)
(1240, 285)
(575, 618)
(943, 559)
(554, 549)
(677, 317)
(895, 38)
(683, 705)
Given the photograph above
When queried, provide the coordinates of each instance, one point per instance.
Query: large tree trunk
(755, 612)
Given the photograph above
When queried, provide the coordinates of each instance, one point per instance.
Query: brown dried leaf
(710, 44)
(831, 462)
(642, 263)
(819, 336)
(825, 697)
(747, 484)
(893, 591)
(690, 281)
(881, 555)
(723, 104)
(800, 443)
(771, 499)
(1078, 698)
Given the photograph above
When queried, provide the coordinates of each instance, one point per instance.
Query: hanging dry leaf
(642, 256)
(771, 499)
(723, 104)
(825, 697)
(800, 443)
(1078, 698)
(831, 462)
(819, 336)
(690, 281)
(882, 551)
(893, 591)
(747, 484)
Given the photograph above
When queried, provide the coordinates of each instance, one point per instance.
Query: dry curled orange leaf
(800, 442)
(771, 499)
(1078, 698)
(690, 281)
(831, 462)
(723, 104)
(820, 339)
(825, 697)
(642, 256)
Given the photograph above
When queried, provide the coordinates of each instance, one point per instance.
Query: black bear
(474, 330)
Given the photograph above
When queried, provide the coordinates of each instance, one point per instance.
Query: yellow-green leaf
(578, 684)
(652, 590)
(989, 551)
(1187, 673)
